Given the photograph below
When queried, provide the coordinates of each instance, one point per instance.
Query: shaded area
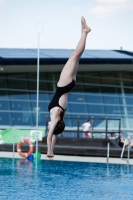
(60, 56)
(76, 146)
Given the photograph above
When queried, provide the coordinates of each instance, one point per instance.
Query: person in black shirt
(122, 141)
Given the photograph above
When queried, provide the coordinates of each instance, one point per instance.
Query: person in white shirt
(86, 129)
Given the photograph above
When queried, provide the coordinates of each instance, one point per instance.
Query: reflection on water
(64, 180)
(24, 164)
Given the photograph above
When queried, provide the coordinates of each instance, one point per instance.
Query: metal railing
(128, 140)
(77, 130)
(108, 151)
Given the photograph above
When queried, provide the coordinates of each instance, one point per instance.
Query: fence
(77, 131)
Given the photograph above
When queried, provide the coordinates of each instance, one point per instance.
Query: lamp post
(39, 29)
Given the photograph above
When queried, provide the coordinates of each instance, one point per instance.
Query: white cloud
(113, 1)
(76, 8)
(2, 2)
(107, 7)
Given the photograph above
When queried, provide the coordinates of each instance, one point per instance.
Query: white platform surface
(73, 158)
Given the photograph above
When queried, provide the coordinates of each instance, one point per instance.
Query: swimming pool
(58, 180)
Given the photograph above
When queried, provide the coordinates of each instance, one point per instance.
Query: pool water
(58, 180)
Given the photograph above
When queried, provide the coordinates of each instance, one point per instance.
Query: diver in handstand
(66, 82)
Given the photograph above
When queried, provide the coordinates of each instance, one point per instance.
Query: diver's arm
(50, 134)
(53, 144)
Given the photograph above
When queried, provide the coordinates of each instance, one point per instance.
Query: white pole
(13, 149)
(39, 31)
(108, 151)
(37, 98)
(128, 151)
(123, 149)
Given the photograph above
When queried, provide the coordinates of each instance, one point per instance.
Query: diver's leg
(70, 69)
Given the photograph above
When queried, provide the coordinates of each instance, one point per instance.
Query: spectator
(122, 141)
(86, 128)
(112, 135)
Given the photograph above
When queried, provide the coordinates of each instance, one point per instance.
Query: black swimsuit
(59, 92)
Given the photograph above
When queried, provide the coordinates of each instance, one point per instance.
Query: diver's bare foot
(84, 26)
(50, 156)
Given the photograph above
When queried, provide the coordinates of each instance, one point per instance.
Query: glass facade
(96, 94)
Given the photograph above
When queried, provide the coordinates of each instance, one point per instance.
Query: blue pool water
(57, 180)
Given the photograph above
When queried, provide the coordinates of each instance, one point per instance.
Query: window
(78, 108)
(94, 99)
(99, 109)
(5, 119)
(88, 98)
(21, 119)
(4, 105)
(16, 94)
(76, 97)
(20, 105)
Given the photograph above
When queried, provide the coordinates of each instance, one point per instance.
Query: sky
(111, 23)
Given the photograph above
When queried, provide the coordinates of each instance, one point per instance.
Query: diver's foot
(50, 156)
(84, 26)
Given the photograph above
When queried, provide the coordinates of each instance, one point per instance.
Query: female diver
(66, 82)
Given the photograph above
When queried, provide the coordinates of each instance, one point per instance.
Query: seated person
(122, 141)
(131, 144)
(112, 135)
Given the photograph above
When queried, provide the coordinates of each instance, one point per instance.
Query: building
(104, 87)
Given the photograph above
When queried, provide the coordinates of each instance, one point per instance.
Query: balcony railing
(77, 131)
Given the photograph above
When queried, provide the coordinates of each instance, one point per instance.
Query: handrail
(108, 148)
(127, 140)
(92, 119)
(128, 155)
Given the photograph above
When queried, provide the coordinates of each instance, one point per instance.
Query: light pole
(39, 29)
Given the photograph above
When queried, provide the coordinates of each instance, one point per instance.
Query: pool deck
(73, 158)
